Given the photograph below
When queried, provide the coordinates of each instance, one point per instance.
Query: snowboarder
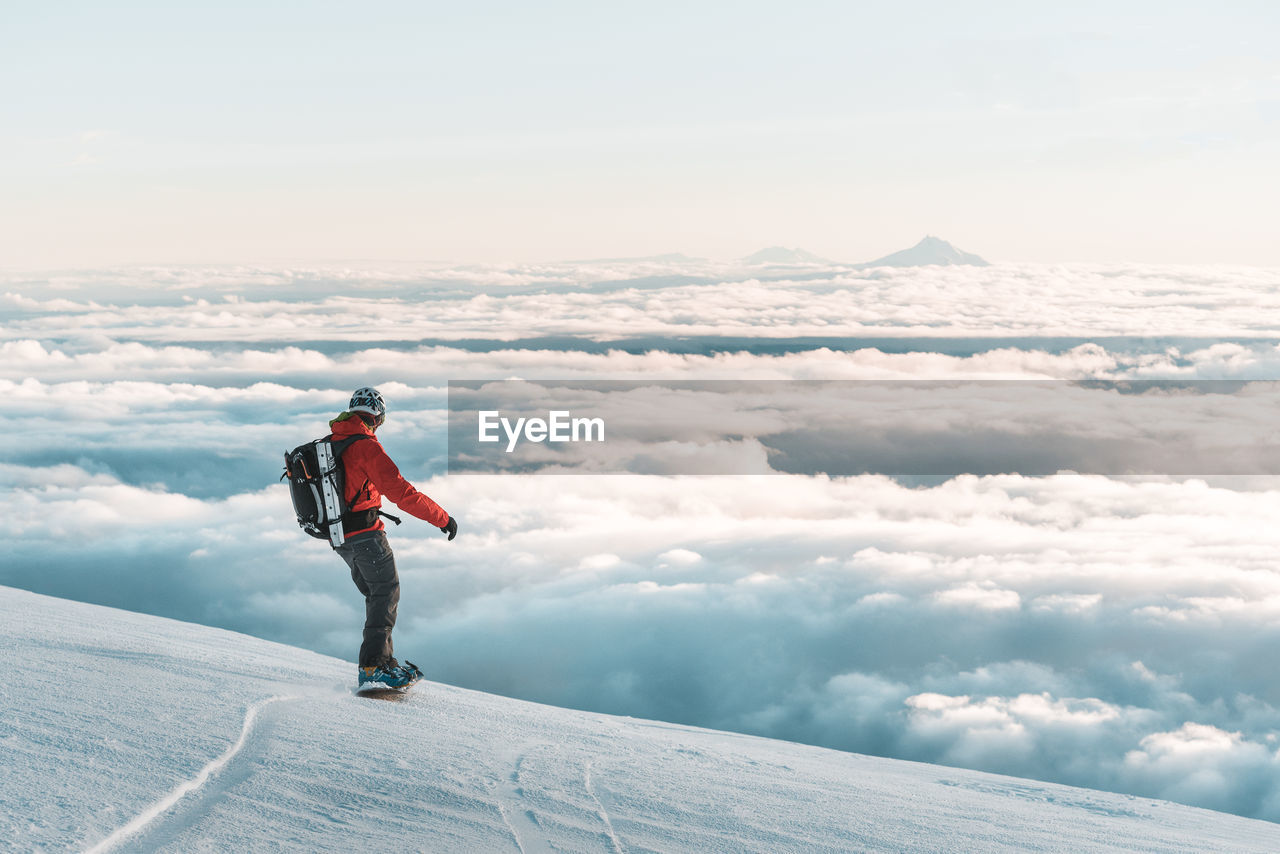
(370, 474)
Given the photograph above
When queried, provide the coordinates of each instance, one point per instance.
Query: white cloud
(1200, 763)
(604, 560)
(984, 597)
(1074, 603)
(348, 305)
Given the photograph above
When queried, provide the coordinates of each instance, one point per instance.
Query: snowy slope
(142, 733)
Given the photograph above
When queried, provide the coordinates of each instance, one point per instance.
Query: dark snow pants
(373, 569)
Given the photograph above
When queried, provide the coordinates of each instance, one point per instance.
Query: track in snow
(195, 785)
(522, 822)
(604, 813)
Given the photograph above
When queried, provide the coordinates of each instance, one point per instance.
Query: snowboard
(392, 694)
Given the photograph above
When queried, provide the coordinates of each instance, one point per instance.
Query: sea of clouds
(1102, 631)
(607, 301)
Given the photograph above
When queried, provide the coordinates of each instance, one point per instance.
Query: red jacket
(371, 474)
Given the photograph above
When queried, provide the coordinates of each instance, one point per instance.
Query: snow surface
(126, 732)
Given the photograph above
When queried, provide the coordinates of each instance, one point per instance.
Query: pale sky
(494, 132)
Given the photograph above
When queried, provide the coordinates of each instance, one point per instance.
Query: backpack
(318, 487)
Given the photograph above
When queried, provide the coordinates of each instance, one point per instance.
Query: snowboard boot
(390, 675)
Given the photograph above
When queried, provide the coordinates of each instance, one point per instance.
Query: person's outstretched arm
(385, 475)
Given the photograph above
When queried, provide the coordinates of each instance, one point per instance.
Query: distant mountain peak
(783, 255)
(931, 250)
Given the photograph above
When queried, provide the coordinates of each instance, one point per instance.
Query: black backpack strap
(336, 448)
(356, 520)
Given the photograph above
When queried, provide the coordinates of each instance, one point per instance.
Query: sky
(498, 132)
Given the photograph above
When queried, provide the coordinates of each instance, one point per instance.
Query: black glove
(450, 527)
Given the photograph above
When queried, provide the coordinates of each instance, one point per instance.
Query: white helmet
(369, 400)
